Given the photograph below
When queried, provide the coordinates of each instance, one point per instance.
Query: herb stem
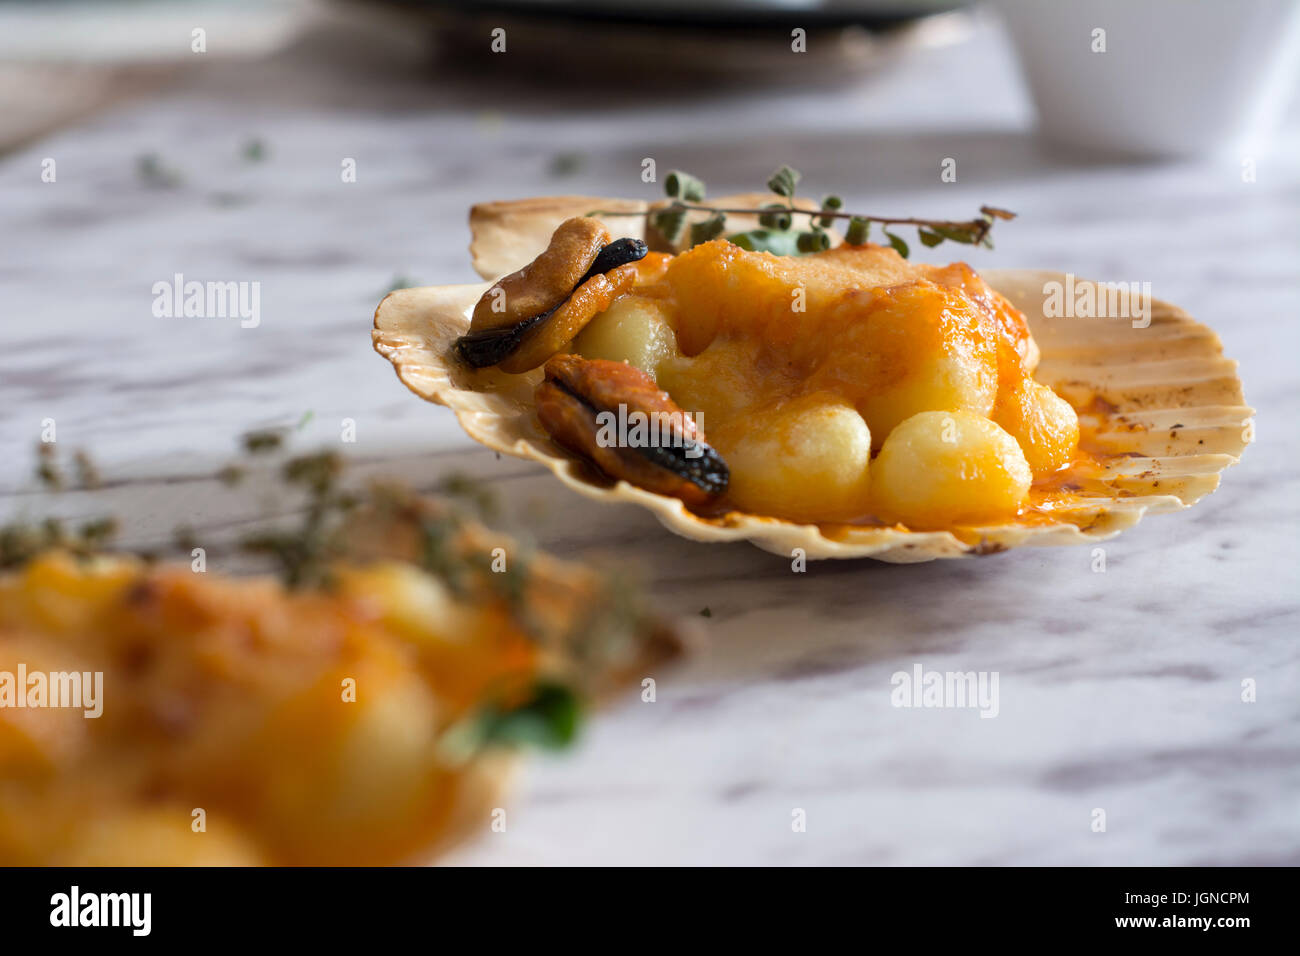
(981, 226)
(776, 220)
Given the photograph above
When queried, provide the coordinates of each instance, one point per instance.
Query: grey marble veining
(1118, 690)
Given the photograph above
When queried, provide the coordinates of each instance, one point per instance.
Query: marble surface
(1118, 690)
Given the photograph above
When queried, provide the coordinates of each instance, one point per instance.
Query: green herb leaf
(813, 241)
(316, 472)
(680, 185)
(438, 553)
(267, 439)
(775, 216)
(962, 234)
(47, 468)
(897, 242)
(95, 534)
(784, 181)
(857, 231)
(471, 490)
(830, 204)
(929, 238)
(669, 222)
(778, 242)
(87, 473)
(775, 220)
(708, 229)
(549, 719)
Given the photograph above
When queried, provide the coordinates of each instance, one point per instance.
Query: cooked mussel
(615, 415)
(620, 252)
(529, 315)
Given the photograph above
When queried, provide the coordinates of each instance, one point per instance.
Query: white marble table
(1118, 691)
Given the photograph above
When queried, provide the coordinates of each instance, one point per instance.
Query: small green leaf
(669, 222)
(897, 242)
(95, 533)
(777, 242)
(857, 231)
(784, 181)
(929, 239)
(814, 241)
(549, 719)
(263, 440)
(706, 612)
(708, 229)
(680, 185)
(470, 490)
(830, 204)
(962, 234)
(775, 216)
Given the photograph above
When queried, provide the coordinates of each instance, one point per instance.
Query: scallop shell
(1163, 398)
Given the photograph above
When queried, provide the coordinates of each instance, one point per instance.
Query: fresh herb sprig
(21, 540)
(777, 232)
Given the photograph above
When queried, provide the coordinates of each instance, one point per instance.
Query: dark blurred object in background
(673, 43)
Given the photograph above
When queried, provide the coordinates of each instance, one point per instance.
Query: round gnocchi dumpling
(916, 347)
(632, 330)
(719, 383)
(162, 835)
(806, 460)
(1042, 422)
(940, 469)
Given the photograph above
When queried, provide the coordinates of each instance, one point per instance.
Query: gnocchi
(719, 383)
(912, 348)
(1042, 422)
(939, 469)
(158, 836)
(807, 460)
(631, 330)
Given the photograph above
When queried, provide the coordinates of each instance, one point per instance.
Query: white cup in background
(1177, 78)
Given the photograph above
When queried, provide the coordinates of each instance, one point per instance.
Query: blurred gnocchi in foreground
(367, 718)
